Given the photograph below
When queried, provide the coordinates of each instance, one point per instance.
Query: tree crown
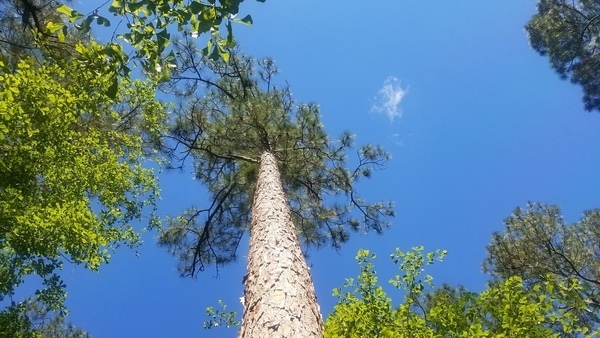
(242, 115)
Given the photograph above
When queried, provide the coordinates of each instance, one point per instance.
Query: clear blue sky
(476, 122)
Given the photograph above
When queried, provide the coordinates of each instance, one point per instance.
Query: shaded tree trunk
(279, 296)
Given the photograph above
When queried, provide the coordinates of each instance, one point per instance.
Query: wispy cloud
(388, 98)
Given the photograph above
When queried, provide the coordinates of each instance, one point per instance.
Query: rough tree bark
(279, 296)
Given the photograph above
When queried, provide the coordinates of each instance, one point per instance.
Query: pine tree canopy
(568, 32)
(240, 116)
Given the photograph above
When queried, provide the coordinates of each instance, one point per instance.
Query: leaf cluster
(152, 24)
(220, 317)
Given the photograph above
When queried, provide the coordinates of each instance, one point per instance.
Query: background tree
(33, 319)
(244, 125)
(71, 170)
(568, 32)
(24, 31)
(365, 310)
(540, 247)
(506, 309)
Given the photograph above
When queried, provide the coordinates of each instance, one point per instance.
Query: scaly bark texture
(279, 299)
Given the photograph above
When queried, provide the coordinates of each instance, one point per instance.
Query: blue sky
(476, 122)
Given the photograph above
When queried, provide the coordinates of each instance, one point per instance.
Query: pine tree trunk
(279, 299)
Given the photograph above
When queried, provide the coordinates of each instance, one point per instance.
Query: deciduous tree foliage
(568, 33)
(71, 175)
(152, 24)
(506, 309)
(232, 130)
(40, 135)
(539, 246)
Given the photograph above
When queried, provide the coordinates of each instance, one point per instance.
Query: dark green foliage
(23, 31)
(31, 319)
(241, 115)
(568, 32)
(14, 322)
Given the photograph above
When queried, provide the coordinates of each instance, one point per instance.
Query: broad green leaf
(133, 7)
(215, 54)
(224, 53)
(208, 14)
(102, 21)
(230, 42)
(196, 7)
(85, 25)
(165, 74)
(117, 3)
(53, 27)
(72, 15)
(163, 40)
(247, 20)
(113, 88)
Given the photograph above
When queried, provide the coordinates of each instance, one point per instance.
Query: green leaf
(133, 7)
(165, 74)
(163, 40)
(62, 34)
(117, 4)
(247, 20)
(224, 53)
(230, 42)
(103, 21)
(215, 54)
(85, 26)
(71, 14)
(53, 27)
(208, 14)
(196, 7)
(114, 87)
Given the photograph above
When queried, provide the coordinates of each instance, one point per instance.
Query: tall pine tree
(269, 168)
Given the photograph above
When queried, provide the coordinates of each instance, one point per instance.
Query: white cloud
(389, 97)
